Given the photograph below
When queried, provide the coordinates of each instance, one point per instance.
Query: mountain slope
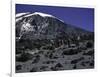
(41, 25)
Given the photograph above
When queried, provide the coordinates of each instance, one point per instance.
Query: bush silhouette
(24, 57)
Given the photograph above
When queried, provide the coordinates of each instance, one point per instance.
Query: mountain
(40, 25)
(46, 43)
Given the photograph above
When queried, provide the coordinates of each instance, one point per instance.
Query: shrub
(36, 60)
(33, 69)
(77, 60)
(89, 45)
(18, 67)
(24, 57)
(90, 53)
(71, 52)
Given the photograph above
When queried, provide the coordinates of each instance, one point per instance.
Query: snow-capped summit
(19, 16)
(40, 13)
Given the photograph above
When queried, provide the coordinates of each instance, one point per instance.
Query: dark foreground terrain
(49, 58)
(66, 48)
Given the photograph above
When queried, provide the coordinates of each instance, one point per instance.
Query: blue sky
(80, 17)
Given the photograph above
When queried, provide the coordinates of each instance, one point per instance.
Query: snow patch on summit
(41, 14)
(21, 14)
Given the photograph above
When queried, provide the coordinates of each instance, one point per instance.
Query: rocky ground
(49, 58)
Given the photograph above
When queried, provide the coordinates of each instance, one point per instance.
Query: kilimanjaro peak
(41, 25)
